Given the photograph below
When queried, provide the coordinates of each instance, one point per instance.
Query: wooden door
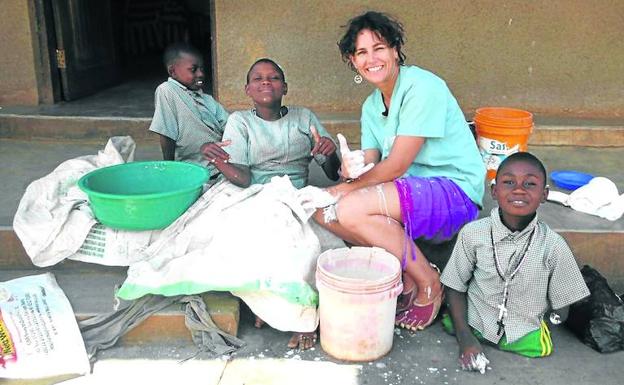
(84, 34)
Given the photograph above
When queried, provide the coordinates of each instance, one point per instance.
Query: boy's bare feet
(302, 341)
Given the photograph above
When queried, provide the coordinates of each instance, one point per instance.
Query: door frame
(213, 51)
(44, 51)
(49, 88)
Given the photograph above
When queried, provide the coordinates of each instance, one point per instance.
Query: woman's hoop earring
(357, 78)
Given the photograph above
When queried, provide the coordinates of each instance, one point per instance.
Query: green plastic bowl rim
(82, 182)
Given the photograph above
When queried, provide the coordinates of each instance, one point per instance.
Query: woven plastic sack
(39, 336)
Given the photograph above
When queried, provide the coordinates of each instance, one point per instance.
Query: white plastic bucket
(358, 289)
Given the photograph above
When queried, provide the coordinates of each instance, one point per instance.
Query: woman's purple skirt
(433, 208)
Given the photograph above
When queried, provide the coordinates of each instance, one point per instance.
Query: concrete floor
(427, 357)
(131, 99)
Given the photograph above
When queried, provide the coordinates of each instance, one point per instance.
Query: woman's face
(374, 59)
(266, 86)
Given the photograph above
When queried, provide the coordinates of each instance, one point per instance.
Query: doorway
(108, 44)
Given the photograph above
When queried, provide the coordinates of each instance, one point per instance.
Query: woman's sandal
(419, 316)
(412, 315)
(406, 300)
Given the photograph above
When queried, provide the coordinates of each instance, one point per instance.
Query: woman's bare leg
(372, 217)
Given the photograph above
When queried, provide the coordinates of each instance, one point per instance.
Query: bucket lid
(570, 179)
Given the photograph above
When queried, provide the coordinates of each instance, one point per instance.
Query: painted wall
(562, 57)
(18, 80)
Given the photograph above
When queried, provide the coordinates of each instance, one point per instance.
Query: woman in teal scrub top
(418, 175)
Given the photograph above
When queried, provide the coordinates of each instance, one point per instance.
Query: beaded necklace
(502, 307)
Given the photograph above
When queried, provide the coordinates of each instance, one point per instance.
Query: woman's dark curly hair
(384, 26)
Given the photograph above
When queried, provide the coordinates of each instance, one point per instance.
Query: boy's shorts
(433, 208)
(535, 344)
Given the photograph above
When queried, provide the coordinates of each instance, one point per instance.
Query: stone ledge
(600, 248)
(224, 309)
(90, 292)
(584, 132)
(590, 136)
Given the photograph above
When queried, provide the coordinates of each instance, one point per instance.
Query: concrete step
(72, 128)
(90, 290)
(29, 123)
(594, 240)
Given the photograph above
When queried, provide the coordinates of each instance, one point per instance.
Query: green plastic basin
(143, 195)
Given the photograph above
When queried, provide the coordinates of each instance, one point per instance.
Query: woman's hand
(340, 190)
(214, 152)
(352, 161)
(335, 191)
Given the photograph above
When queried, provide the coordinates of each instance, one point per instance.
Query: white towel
(613, 211)
(598, 192)
(599, 197)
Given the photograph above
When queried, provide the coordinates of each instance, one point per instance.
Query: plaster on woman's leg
(334, 226)
(359, 213)
(365, 219)
(383, 203)
(426, 277)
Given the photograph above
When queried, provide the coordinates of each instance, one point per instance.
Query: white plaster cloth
(599, 197)
(259, 242)
(256, 242)
(54, 218)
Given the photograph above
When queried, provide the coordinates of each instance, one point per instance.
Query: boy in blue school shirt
(184, 116)
(508, 270)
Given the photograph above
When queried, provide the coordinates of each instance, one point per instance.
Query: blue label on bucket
(494, 152)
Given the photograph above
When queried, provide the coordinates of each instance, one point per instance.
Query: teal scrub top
(422, 105)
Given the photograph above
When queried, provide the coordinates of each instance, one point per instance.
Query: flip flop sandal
(419, 316)
(407, 299)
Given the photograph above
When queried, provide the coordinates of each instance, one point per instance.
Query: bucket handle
(395, 291)
(473, 128)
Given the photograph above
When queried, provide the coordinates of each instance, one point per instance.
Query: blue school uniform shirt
(422, 105)
(548, 276)
(190, 118)
(273, 148)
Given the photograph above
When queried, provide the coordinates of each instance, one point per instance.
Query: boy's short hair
(270, 61)
(175, 50)
(523, 157)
